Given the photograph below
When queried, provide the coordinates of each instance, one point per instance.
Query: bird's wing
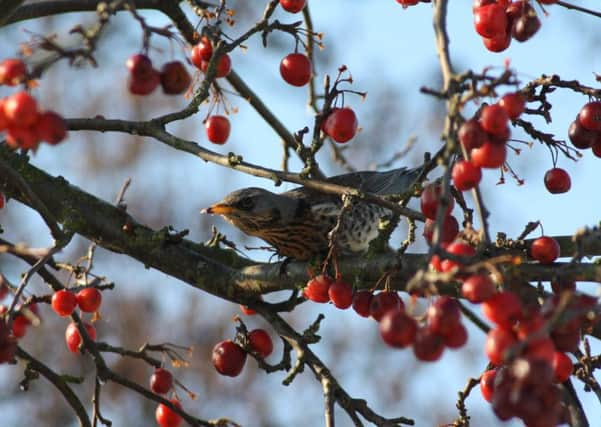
(395, 181)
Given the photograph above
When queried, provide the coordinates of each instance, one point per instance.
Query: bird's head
(254, 209)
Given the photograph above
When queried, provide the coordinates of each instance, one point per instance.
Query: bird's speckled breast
(360, 224)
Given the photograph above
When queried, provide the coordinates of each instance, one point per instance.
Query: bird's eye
(246, 203)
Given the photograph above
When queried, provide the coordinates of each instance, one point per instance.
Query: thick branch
(223, 272)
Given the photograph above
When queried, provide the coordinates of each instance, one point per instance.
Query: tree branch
(59, 383)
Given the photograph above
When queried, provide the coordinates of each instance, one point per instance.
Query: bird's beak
(218, 209)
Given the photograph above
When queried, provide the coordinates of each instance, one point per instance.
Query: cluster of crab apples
(484, 141)
(25, 124)
(63, 302)
(500, 21)
(528, 342)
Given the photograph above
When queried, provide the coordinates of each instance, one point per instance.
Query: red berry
(466, 175)
(4, 122)
(456, 336)
(362, 302)
(51, 127)
(542, 349)
(450, 229)
(140, 66)
(525, 26)
(443, 314)
(562, 367)
(398, 329)
(459, 249)
(2, 202)
(531, 324)
(224, 66)
(218, 129)
(175, 78)
(490, 155)
(161, 381)
(89, 300)
(407, 3)
(63, 302)
(514, 104)
(341, 294)
(471, 135)
(317, 288)
(260, 341)
(501, 138)
(165, 417)
(490, 20)
(384, 302)
(295, 69)
(498, 341)
(487, 384)
(503, 308)
(430, 199)
(478, 288)
(19, 327)
(228, 358)
(247, 310)
(498, 43)
(557, 181)
(494, 119)
(435, 263)
(73, 339)
(12, 71)
(22, 137)
(341, 124)
(566, 341)
(21, 109)
(427, 346)
(292, 6)
(581, 137)
(545, 250)
(143, 84)
(590, 116)
(201, 52)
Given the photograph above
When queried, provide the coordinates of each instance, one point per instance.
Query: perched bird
(297, 223)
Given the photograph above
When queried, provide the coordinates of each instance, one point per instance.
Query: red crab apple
(545, 249)
(260, 342)
(557, 181)
(161, 381)
(292, 6)
(341, 124)
(63, 302)
(165, 417)
(228, 358)
(175, 78)
(89, 299)
(201, 52)
(73, 339)
(12, 71)
(295, 69)
(466, 175)
(217, 129)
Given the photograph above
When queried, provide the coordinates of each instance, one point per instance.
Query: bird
(298, 223)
